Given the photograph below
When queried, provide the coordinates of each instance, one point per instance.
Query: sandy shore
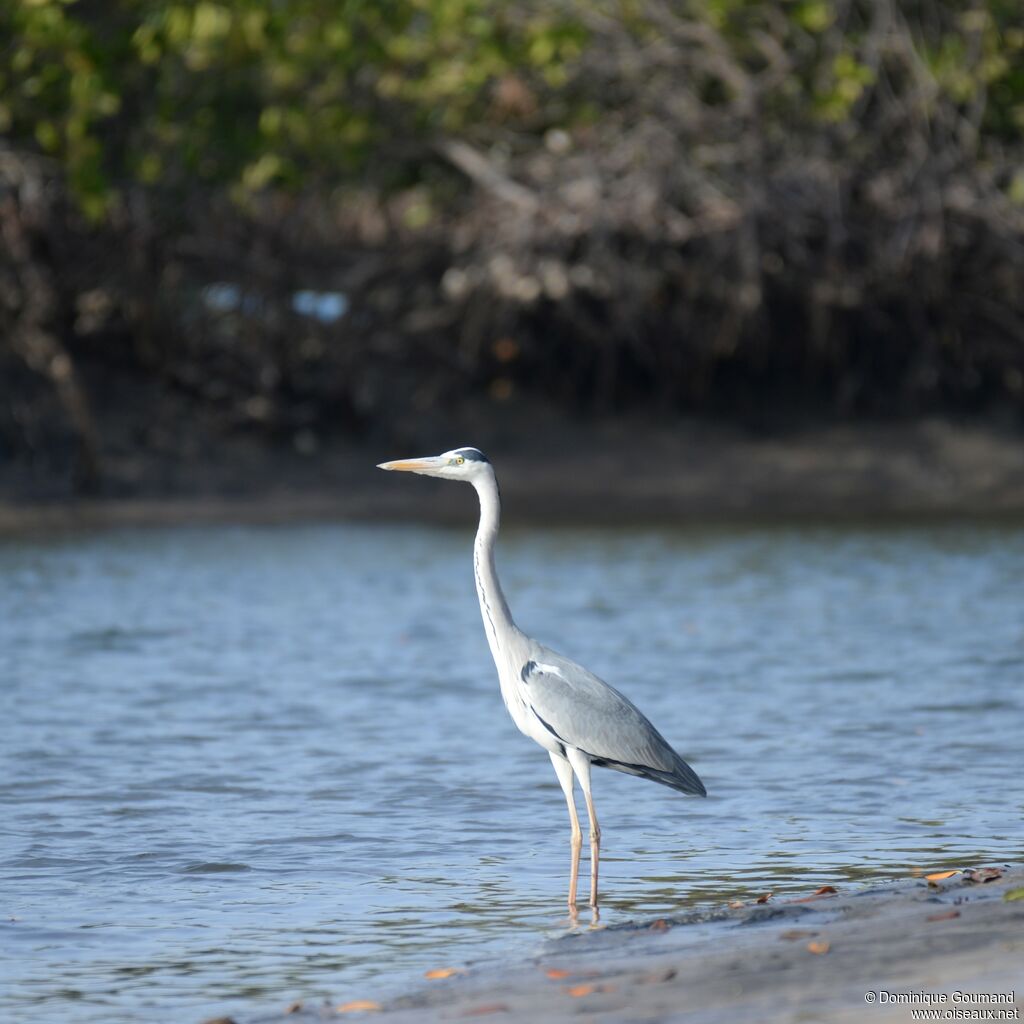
(571, 472)
(840, 957)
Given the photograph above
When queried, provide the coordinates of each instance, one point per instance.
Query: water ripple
(247, 765)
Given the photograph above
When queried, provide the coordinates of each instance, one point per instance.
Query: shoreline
(910, 944)
(613, 474)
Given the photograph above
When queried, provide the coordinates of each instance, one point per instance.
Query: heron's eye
(460, 460)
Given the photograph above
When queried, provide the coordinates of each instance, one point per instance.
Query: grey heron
(577, 718)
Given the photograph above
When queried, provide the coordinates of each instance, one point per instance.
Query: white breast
(515, 695)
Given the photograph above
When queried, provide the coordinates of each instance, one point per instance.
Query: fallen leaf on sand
(442, 972)
(661, 925)
(1013, 894)
(556, 973)
(792, 934)
(946, 915)
(578, 991)
(825, 890)
(939, 876)
(764, 897)
(356, 1005)
(818, 947)
(984, 874)
(484, 1009)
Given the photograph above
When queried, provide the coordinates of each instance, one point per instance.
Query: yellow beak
(412, 465)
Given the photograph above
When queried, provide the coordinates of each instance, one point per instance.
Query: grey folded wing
(584, 712)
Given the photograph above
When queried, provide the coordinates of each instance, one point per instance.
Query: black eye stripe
(472, 454)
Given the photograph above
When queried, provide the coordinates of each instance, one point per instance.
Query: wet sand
(843, 957)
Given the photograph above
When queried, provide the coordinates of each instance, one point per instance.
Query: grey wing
(583, 711)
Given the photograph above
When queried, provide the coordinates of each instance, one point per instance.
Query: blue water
(244, 766)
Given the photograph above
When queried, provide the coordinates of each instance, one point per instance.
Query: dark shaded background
(242, 241)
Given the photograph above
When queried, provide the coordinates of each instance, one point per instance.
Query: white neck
(498, 624)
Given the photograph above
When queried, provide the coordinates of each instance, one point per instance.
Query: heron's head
(459, 464)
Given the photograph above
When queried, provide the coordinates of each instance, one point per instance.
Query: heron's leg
(581, 766)
(564, 772)
(595, 847)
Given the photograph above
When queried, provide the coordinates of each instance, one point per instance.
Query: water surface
(243, 766)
